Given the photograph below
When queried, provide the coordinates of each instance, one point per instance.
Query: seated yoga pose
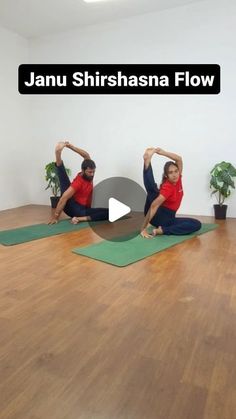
(162, 203)
(76, 196)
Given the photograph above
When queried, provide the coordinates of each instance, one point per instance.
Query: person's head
(171, 172)
(88, 169)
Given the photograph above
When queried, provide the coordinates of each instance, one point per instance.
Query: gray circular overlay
(127, 192)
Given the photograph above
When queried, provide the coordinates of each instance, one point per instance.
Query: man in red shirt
(76, 196)
(161, 204)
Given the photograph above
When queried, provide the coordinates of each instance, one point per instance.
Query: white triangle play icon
(117, 209)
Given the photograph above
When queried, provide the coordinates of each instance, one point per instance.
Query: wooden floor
(80, 339)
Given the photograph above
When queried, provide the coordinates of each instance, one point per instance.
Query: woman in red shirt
(161, 204)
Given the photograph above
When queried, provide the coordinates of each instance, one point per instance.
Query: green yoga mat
(38, 231)
(126, 252)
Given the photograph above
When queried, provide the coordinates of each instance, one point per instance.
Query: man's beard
(86, 177)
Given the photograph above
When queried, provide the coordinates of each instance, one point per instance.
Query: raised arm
(177, 159)
(150, 214)
(78, 150)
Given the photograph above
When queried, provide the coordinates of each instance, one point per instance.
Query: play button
(125, 200)
(117, 210)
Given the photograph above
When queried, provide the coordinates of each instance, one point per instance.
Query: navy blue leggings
(73, 208)
(164, 217)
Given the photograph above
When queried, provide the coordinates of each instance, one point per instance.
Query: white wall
(15, 156)
(116, 129)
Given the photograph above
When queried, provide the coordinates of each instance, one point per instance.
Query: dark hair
(166, 169)
(88, 164)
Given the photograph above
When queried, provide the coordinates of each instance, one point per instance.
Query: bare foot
(158, 150)
(157, 231)
(149, 152)
(148, 156)
(75, 220)
(60, 145)
(58, 150)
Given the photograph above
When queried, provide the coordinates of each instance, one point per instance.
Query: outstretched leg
(58, 151)
(148, 179)
(60, 168)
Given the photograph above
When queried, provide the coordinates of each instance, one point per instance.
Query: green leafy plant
(52, 178)
(221, 181)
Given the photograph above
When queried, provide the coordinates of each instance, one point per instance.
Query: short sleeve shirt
(173, 194)
(83, 190)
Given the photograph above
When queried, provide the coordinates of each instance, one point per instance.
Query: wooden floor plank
(80, 339)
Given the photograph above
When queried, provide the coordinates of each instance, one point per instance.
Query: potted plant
(53, 182)
(221, 181)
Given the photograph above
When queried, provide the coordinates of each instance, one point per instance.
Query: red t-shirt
(173, 194)
(83, 190)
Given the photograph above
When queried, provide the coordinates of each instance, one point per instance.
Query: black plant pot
(54, 201)
(220, 211)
